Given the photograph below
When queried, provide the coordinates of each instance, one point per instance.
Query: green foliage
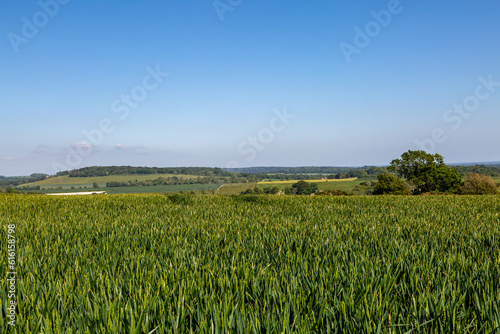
(271, 190)
(166, 180)
(258, 191)
(390, 184)
(254, 264)
(297, 170)
(427, 172)
(447, 180)
(332, 192)
(29, 188)
(477, 184)
(253, 191)
(304, 188)
(38, 176)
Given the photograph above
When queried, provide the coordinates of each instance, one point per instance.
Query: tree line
(305, 170)
(166, 181)
(492, 170)
(129, 170)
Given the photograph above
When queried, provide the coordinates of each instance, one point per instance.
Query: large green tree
(427, 172)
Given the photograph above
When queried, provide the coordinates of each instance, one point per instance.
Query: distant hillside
(490, 169)
(129, 170)
(65, 180)
(303, 170)
(489, 164)
(12, 181)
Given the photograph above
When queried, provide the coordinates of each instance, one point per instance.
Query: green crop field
(252, 264)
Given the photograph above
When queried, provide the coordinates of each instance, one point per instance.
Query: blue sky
(354, 83)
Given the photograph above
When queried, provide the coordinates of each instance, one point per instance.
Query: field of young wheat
(252, 264)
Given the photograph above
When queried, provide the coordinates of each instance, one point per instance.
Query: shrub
(304, 188)
(271, 190)
(479, 184)
(390, 184)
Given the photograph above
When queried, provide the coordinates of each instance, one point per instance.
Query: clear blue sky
(65, 70)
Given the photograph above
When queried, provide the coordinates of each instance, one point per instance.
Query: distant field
(497, 179)
(66, 182)
(234, 188)
(142, 189)
(343, 184)
(162, 189)
(346, 185)
(312, 181)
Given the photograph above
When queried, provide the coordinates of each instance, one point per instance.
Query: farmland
(253, 264)
(67, 182)
(163, 189)
(312, 180)
(342, 184)
(197, 188)
(235, 188)
(63, 184)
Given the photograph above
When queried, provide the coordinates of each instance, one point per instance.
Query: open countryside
(250, 167)
(224, 185)
(243, 258)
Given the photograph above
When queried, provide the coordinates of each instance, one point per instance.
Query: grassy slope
(67, 182)
(234, 188)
